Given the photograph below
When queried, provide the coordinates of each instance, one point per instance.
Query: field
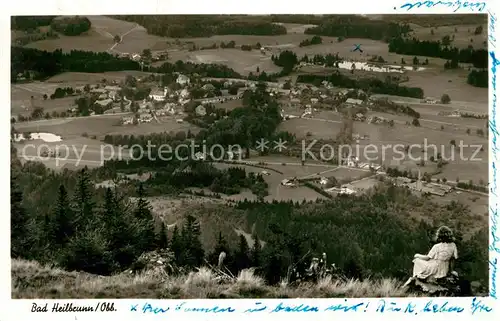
(463, 34)
(100, 126)
(83, 78)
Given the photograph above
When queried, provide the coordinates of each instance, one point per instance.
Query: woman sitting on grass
(439, 261)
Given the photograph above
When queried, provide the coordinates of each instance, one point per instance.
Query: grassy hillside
(31, 280)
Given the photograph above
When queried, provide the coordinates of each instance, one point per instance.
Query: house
(289, 183)
(183, 80)
(179, 121)
(200, 156)
(113, 94)
(352, 101)
(346, 190)
(359, 117)
(159, 94)
(127, 120)
(208, 87)
(200, 110)
(161, 112)
(184, 93)
(314, 100)
(136, 57)
(112, 88)
(145, 118)
(323, 181)
(103, 96)
(98, 91)
(352, 161)
(104, 103)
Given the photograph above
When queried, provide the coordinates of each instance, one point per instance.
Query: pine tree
(61, 224)
(162, 238)
(176, 245)
(146, 228)
(83, 205)
(18, 221)
(193, 253)
(220, 246)
(256, 252)
(118, 232)
(242, 256)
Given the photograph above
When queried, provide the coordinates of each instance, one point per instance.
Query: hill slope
(31, 280)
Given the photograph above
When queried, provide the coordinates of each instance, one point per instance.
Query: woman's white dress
(439, 263)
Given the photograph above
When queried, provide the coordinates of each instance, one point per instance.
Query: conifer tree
(83, 204)
(61, 224)
(256, 252)
(176, 245)
(146, 229)
(193, 253)
(18, 221)
(220, 246)
(242, 256)
(162, 238)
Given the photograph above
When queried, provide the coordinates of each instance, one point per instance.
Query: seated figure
(438, 263)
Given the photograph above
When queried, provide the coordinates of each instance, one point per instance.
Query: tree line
(351, 26)
(399, 45)
(372, 85)
(315, 40)
(29, 23)
(44, 64)
(190, 26)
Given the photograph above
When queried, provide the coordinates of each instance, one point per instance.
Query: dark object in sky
(357, 48)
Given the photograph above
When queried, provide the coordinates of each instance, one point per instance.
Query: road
(112, 48)
(399, 122)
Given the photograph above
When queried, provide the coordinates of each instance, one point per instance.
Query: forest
(373, 85)
(191, 26)
(479, 57)
(350, 26)
(71, 26)
(29, 23)
(478, 78)
(45, 64)
(87, 229)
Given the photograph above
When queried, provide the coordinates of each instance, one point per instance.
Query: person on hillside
(439, 261)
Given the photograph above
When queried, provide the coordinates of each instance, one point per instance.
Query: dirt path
(112, 48)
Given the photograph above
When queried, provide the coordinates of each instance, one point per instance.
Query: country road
(112, 48)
